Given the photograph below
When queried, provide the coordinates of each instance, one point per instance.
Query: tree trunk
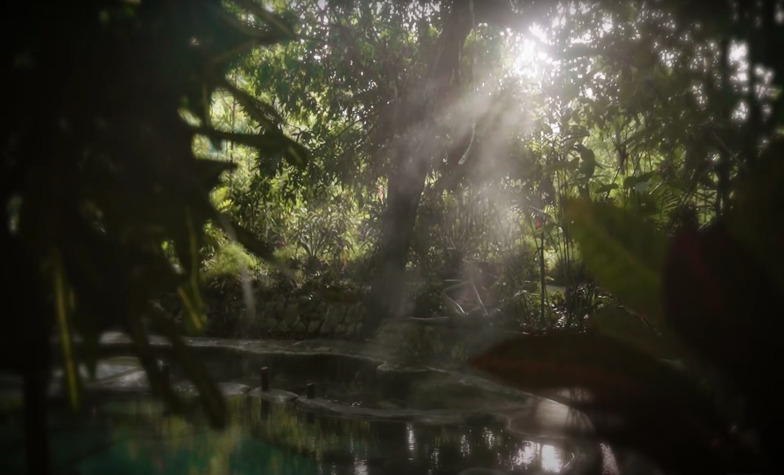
(407, 182)
(724, 166)
(388, 288)
(413, 156)
(542, 282)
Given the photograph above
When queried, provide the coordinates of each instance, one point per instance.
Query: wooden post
(310, 391)
(264, 379)
(165, 371)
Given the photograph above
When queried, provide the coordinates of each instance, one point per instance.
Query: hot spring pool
(135, 436)
(367, 418)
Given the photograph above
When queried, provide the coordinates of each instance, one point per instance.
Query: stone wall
(306, 316)
(295, 315)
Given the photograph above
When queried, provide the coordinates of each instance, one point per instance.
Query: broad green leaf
(144, 352)
(624, 253)
(207, 172)
(189, 293)
(578, 132)
(252, 243)
(211, 397)
(296, 155)
(633, 181)
(268, 143)
(588, 165)
(196, 317)
(547, 227)
(607, 187)
(261, 112)
(61, 296)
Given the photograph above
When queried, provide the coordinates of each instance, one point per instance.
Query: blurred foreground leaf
(624, 253)
(633, 400)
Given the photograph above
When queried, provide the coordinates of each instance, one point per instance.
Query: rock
(130, 380)
(273, 395)
(292, 314)
(314, 326)
(233, 389)
(360, 318)
(317, 314)
(387, 405)
(330, 322)
(299, 327)
(482, 471)
(346, 315)
(331, 317)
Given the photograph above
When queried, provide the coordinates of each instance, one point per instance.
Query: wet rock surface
(351, 379)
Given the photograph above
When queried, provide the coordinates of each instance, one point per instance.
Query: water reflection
(551, 459)
(137, 436)
(526, 454)
(411, 439)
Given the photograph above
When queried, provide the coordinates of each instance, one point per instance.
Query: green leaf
(606, 188)
(565, 165)
(272, 142)
(261, 112)
(196, 320)
(296, 155)
(144, 352)
(207, 172)
(625, 253)
(252, 243)
(282, 29)
(633, 181)
(211, 397)
(588, 165)
(189, 293)
(61, 297)
(547, 227)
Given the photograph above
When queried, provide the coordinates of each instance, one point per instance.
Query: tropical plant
(98, 162)
(703, 298)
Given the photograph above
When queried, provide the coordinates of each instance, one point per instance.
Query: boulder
(314, 326)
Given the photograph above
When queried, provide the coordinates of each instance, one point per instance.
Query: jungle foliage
(629, 152)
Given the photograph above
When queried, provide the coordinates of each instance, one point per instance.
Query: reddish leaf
(727, 307)
(607, 368)
(719, 300)
(634, 400)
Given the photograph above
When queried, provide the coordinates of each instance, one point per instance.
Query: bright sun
(529, 53)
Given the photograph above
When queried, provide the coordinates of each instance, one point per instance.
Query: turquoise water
(136, 436)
